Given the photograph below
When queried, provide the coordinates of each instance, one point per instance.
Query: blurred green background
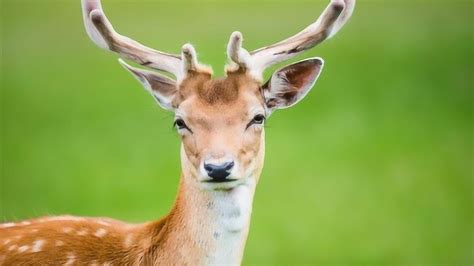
(374, 167)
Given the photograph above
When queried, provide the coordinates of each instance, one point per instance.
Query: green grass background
(374, 167)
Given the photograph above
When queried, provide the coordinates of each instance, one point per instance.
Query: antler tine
(102, 33)
(190, 62)
(236, 53)
(330, 21)
(343, 17)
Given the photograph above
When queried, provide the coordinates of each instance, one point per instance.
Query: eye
(256, 120)
(180, 124)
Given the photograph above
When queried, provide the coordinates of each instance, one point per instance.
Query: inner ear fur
(290, 84)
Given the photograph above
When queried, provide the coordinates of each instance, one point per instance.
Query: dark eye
(258, 119)
(179, 123)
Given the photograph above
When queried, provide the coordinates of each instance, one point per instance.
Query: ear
(290, 84)
(162, 88)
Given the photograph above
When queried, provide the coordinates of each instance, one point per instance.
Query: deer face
(221, 125)
(220, 121)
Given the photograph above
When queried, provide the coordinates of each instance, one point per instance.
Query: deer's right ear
(162, 88)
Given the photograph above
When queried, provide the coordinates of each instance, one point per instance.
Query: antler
(102, 33)
(328, 24)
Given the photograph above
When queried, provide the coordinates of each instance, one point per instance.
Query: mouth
(226, 184)
(220, 180)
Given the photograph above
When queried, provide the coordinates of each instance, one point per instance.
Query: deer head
(221, 120)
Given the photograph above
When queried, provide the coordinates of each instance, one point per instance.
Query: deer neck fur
(204, 226)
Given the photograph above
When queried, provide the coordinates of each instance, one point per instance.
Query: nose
(219, 172)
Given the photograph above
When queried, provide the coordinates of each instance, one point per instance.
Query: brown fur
(216, 91)
(65, 238)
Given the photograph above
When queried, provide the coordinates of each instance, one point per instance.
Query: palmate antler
(328, 24)
(102, 33)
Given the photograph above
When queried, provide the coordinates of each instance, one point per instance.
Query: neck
(205, 226)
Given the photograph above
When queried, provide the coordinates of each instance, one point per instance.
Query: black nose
(219, 172)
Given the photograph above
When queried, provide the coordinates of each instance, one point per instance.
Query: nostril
(208, 167)
(229, 166)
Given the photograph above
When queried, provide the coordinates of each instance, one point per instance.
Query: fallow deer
(220, 122)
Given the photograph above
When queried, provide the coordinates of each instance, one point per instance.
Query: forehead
(234, 94)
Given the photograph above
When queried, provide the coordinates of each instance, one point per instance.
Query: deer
(220, 122)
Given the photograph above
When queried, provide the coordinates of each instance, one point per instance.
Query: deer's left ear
(290, 84)
(162, 88)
